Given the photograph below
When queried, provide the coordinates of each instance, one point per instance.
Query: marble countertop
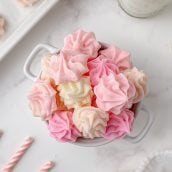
(149, 41)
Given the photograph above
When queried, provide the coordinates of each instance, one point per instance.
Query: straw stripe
(47, 166)
(18, 155)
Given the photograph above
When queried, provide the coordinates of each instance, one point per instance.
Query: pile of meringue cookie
(87, 90)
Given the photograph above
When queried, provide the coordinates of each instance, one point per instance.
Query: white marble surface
(149, 40)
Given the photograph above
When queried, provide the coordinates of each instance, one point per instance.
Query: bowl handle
(144, 131)
(27, 66)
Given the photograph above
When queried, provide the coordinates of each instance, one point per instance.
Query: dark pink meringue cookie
(120, 125)
(120, 57)
(62, 128)
(83, 42)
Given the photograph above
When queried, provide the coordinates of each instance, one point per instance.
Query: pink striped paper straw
(18, 155)
(47, 166)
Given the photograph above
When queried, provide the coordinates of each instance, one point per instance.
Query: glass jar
(143, 8)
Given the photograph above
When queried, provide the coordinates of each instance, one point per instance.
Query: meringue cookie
(76, 94)
(90, 121)
(59, 102)
(131, 94)
(100, 67)
(112, 93)
(42, 99)
(45, 65)
(139, 80)
(67, 66)
(83, 42)
(120, 125)
(62, 128)
(27, 3)
(120, 57)
(2, 26)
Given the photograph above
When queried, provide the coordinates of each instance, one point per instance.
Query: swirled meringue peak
(100, 67)
(112, 93)
(140, 82)
(90, 121)
(120, 57)
(68, 66)
(61, 127)
(42, 99)
(83, 42)
(76, 94)
(120, 125)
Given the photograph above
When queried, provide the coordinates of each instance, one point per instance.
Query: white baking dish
(20, 20)
(137, 108)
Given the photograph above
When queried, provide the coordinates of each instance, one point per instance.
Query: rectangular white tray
(20, 20)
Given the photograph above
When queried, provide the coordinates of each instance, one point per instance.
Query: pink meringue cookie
(83, 42)
(120, 57)
(112, 93)
(140, 81)
(42, 99)
(67, 66)
(100, 67)
(62, 128)
(120, 125)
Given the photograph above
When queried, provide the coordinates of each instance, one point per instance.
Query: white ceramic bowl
(82, 141)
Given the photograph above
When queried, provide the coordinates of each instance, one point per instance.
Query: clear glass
(143, 8)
